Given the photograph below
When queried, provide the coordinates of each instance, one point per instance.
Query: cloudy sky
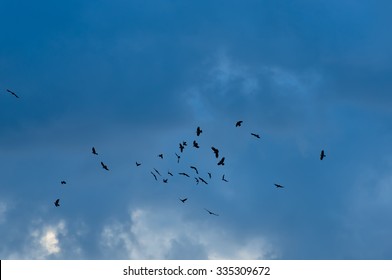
(135, 78)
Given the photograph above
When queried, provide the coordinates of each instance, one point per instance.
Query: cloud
(3, 211)
(151, 235)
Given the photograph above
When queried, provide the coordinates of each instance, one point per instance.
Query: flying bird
(178, 158)
(183, 199)
(197, 180)
(181, 147)
(168, 172)
(138, 164)
(197, 172)
(195, 144)
(209, 175)
(157, 172)
(204, 181)
(223, 178)
(94, 151)
(104, 166)
(322, 155)
(183, 174)
(222, 161)
(165, 181)
(160, 155)
(216, 151)
(184, 143)
(155, 176)
(57, 202)
(13, 93)
(198, 131)
(256, 135)
(211, 213)
(279, 186)
(237, 124)
(63, 182)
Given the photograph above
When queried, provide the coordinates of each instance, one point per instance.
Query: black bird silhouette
(168, 172)
(138, 164)
(178, 158)
(198, 131)
(237, 124)
(94, 151)
(104, 166)
(222, 161)
(184, 143)
(183, 174)
(201, 179)
(197, 172)
(211, 213)
(183, 199)
(157, 172)
(209, 175)
(165, 181)
(155, 176)
(13, 93)
(216, 151)
(223, 178)
(322, 155)
(197, 180)
(63, 182)
(255, 135)
(181, 147)
(279, 186)
(160, 155)
(57, 202)
(195, 144)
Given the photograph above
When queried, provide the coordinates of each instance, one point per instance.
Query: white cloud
(3, 211)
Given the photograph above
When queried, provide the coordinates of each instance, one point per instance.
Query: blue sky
(136, 78)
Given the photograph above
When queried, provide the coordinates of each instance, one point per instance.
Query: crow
(181, 147)
(138, 164)
(183, 199)
(279, 186)
(63, 182)
(198, 131)
(13, 93)
(197, 172)
(104, 166)
(209, 175)
(201, 179)
(223, 178)
(57, 202)
(184, 174)
(322, 155)
(222, 161)
(155, 176)
(211, 213)
(216, 151)
(255, 135)
(157, 172)
(160, 155)
(237, 124)
(165, 181)
(94, 152)
(178, 158)
(168, 172)
(195, 144)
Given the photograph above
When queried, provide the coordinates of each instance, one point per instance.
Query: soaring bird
(216, 151)
(198, 131)
(322, 155)
(13, 93)
(157, 172)
(209, 175)
(183, 199)
(222, 161)
(94, 151)
(57, 202)
(195, 144)
(104, 166)
(279, 186)
(138, 164)
(237, 124)
(178, 158)
(255, 135)
(168, 172)
(165, 181)
(183, 174)
(197, 172)
(63, 182)
(211, 213)
(223, 178)
(155, 176)
(184, 143)
(181, 147)
(204, 181)
(160, 155)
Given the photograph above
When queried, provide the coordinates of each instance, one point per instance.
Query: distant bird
(165, 181)
(57, 202)
(195, 144)
(204, 181)
(184, 143)
(197, 180)
(138, 164)
(222, 161)
(181, 147)
(216, 151)
(279, 186)
(198, 131)
(168, 172)
(209, 175)
(197, 172)
(63, 182)
(104, 166)
(322, 155)
(178, 158)
(256, 135)
(183, 199)
(160, 155)
(211, 213)
(13, 93)
(237, 124)
(157, 172)
(155, 176)
(223, 178)
(94, 151)
(183, 174)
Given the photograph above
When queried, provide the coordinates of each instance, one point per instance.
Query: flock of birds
(182, 145)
